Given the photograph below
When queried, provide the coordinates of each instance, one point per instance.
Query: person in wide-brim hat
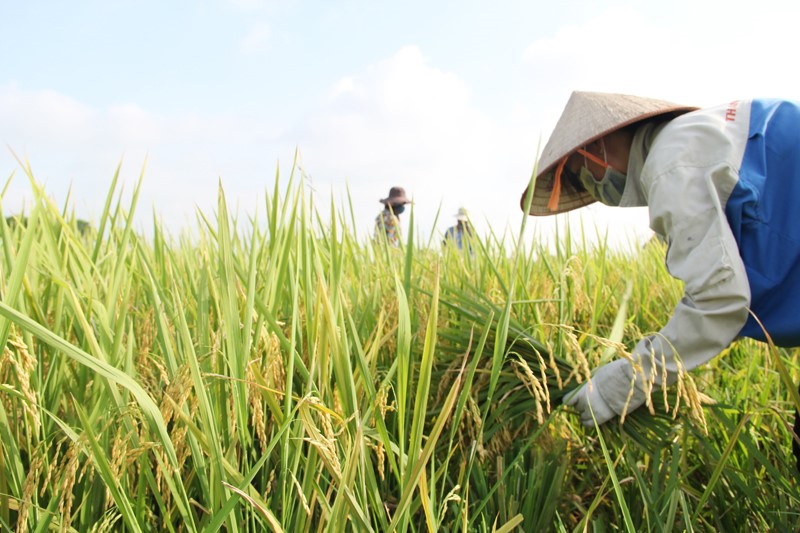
(387, 223)
(397, 196)
(721, 185)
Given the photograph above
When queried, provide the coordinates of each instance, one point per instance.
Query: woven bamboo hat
(587, 117)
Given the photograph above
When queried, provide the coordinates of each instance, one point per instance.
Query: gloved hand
(588, 395)
(585, 396)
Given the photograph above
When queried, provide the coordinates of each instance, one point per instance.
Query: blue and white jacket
(722, 186)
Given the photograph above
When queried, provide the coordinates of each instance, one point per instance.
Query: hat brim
(573, 195)
(397, 200)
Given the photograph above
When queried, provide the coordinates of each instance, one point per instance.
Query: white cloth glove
(587, 399)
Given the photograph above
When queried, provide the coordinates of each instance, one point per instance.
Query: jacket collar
(634, 195)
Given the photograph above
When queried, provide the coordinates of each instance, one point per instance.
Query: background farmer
(722, 186)
(387, 223)
(461, 232)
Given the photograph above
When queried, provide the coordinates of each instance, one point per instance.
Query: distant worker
(387, 223)
(461, 233)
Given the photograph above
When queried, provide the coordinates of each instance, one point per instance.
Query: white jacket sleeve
(686, 208)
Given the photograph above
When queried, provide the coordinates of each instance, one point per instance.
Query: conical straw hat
(587, 117)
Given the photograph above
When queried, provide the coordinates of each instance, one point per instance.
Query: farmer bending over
(722, 186)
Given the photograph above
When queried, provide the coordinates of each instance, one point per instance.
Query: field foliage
(276, 373)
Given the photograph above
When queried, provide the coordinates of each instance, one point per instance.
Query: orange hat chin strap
(555, 195)
(594, 158)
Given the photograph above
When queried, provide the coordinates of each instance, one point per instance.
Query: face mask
(397, 209)
(608, 190)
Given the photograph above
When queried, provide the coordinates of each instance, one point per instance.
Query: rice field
(279, 374)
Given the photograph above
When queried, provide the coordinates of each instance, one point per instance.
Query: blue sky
(448, 99)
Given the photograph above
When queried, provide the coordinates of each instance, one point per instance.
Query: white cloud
(72, 145)
(255, 40)
(56, 118)
(405, 122)
(400, 121)
(251, 5)
(717, 53)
